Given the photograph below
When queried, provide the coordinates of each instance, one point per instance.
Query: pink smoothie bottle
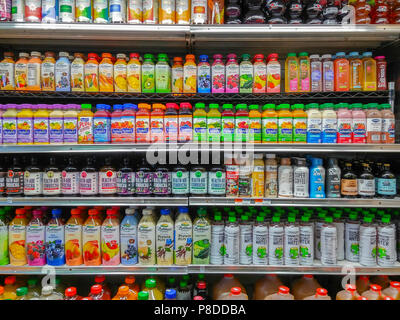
(35, 237)
(344, 123)
(359, 134)
(128, 121)
(116, 125)
(218, 74)
(232, 74)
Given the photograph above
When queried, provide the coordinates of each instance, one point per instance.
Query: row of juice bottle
(234, 236)
(244, 176)
(130, 123)
(114, 11)
(261, 74)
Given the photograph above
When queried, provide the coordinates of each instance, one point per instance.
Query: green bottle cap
(276, 219)
(148, 56)
(298, 106)
(232, 219)
(305, 218)
(303, 54)
(217, 218)
(32, 282)
(246, 56)
(213, 106)
(386, 218)
(86, 106)
(227, 106)
(244, 218)
(150, 283)
(291, 54)
(268, 106)
(337, 215)
(284, 106)
(368, 219)
(199, 105)
(385, 106)
(328, 219)
(22, 291)
(171, 281)
(143, 295)
(241, 106)
(353, 216)
(182, 283)
(253, 107)
(260, 219)
(291, 219)
(201, 276)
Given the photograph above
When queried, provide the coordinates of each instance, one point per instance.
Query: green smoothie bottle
(4, 260)
(163, 74)
(148, 74)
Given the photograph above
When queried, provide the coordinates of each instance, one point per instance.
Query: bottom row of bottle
(229, 287)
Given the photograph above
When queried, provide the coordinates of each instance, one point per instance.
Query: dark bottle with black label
(162, 181)
(198, 179)
(3, 175)
(89, 179)
(126, 179)
(180, 181)
(70, 179)
(15, 179)
(144, 179)
(366, 182)
(107, 179)
(333, 174)
(348, 182)
(33, 179)
(52, 179)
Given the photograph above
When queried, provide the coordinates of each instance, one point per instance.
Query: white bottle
(183, 242)
(147, 238)
(352, 238)
(386, 251)
(260, 242)
(306, 242)
(339, 224)
(165, 238)
(246, 241)
(217, 241)
(275, 242)
(328, 242)
(292, 242)
(317, 235)
(301, 179)
(231, 241)
(285, 179)
(368, 236)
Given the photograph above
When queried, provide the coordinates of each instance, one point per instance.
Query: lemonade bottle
(291, 73)
(157, 123)
(165, 238)
(213, 123)
(48, 72)
(41, 125)
(34, 71)
(369, 72)
(269, 119)
(148, 74)
(4, 259)
(177, 75)
(21, 71)
(7, 66)
(285, 124)
(25, 124)
(120, 72)
(273, 74)
(85, 125)
(134, 73)
(17, 239)
(110, 241)
(73, 239)
(199, 123)
(77, 73)
(304, 72)
(246, 74)
(190, 74)
(163, 74)
(254, 124)
(147, 239)
(260, 74)
(92, 73)
(106, 73)
(91, 238)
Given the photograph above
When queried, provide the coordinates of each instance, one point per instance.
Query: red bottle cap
(201, 285)
(236, 291)
(96, 289)
(283, 290)
(70, 292)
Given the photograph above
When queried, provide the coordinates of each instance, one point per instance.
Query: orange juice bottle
(48, 72)
(157, 123)
(78, 72)
(299, 124)
(190, 74)
(166, 13)
(134, 73)
(369, 72)
(106, 73)
(17, 239)
(143, 123)
(254, 124)
(73, 239)
(34, 71)
(124, 294)
(269, 120)
(342, 72)
(92, 73)
(120, 73)
(91, 237)
(177, 75)
(285, 124)
(21, 72)
(291, 73)
(183, 11)
(7, 72)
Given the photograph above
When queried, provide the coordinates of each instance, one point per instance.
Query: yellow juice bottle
(73, 239)
(177, 75)
(25, 124)
(134, 73)
(7, 72)
(17, 239)
(120, 71)
(291, 73)
(106, 73)
(369, 72)
(85, 125)
(34, 71)
(78, 73)
(48, 72)
(190, 74)
(92, 73)
(200, 123)
(21, 72)
(41, 125)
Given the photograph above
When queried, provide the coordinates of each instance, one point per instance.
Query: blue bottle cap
(165, 211)
(203, 58)
(100, 106)
(367, 54)
(170, 294)
(183, 209)
(340, 54)
(316, 161)
(130, 106)
(56, 212)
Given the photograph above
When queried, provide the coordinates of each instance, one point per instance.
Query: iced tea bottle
(374, 293)
(283, 294)
(305, 287)
(350, 293)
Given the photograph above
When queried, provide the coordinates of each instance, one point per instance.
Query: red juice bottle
(171, 122)
(185, 122)
(97, 293)
(143, 123)
(157, 123)
(241, 123)
(116, 126)
(128, 121)
(381, 80)
(380, 12)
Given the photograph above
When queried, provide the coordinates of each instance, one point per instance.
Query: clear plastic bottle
(386, 243)
(368, 235)
(260, 242)
(328, 242)
(48, 294)
(246, 241)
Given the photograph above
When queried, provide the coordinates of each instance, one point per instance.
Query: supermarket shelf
(298, 202)
(95, 201)
(203, 147)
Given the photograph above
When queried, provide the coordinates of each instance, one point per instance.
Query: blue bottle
(128, 234)
(63, 72)
(55, 253)
(317, 179)
(203, 75)
(102, 124)
(314, 124)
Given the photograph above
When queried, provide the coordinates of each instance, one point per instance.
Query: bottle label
(368, 245)
(232, 180)
(203, 78)
(77, 74)
(232, 78)
(198, 182)
(314, 128)
(246, 78)
(49, 11)
(143, 129)
(110, 250)
(388, 130)
(4, 259)
(128, 128)
(165, 243)
(56, 130)
(7, 76)
(241, 129)
(91, 238)
(349, 187)
(333, 183)
(148, 75)
(70, 183)
(218, 78)
(228, 129)
(70, 130)
(214, 129)
(41, 130)
(292, 245)
(106, 73)
(25, 130)
(275, 245)
(217, 244)
(163, 78)
(66, 11)
(134, 76)
(157, 129)
(329, 130)
(33, 80)
(366, 187)
(144, 182)
(271, 181)
(55, 245)
(62, 76)
(374, 128)
(285, 129)
(107, 182)
(260, 77)
(201, 242)
(177, 80)
(100, 11)
(85, 130)
(51, 183)
(171, 128)
(301, 182)
(216, 182)
(83, 10)
(317, 182)
(101, 129)
(91, 77)
(180, 182)
(285, 179)
(162, 183)
(15, 182)
(231, 244)
(269, 130)
(21, 72)
(73, 244)
(33, 183)
(300, 133)
(88, 183)
(387, 187)
(304, 72)
(306, 245)
(183, 243)
(352, 242)
(246, 244)
(185, 128)
(254, 130)
(35, 245)
(328, 245)
(344, 130)
(10, 130)
(386, 250)
(260, 245)
(359, 130)
(125, 183)
(116, 129)
(120, 71)
(129, 252)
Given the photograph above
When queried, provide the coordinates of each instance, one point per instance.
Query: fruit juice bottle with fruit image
(157, 123)
(185, 122)
(35, 237)
(91, 237)
(106, 73)
(190, 74)
(148, 74)
(260, 74)
(134, 73)
(143, 123)
(285, 124)
(73, 239)
(291, 73)
(241, 123)
(227, 123)
(92, 73)
(304, 72)
(232, 74)
(163, 74)
(17, 239)
(77, 73)
(273, 74)
(203, 75)
(48, 72)
(110, 240)
(21, 72)
(34, 71)
(177, 75)
(7, 66)
(246, 74)
(120, 84)
(269, 119)
(55, 239)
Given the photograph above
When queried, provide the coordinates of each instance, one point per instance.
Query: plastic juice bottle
(342, 72)
(91, 238)
(128, 231)
(305, 286)
(171, 122)
(356, 71)
(101, 125)
(388, 123)
(41, 125)
(316, 73)
(128, 122)
(157, 123)
(369, 72)
(124, 294)
(232, 74)
(329, 123)
(97, 293)
(153, 292)
(10, 124)
(200, 123)
(134, 73)
(374, 123)
(120, 73)
(148, 74)
(130, 282)
(106, 73)
(177, 75)
(85, 125)
(56, 124)
(203, 75)
(304, 72)
(147, 239)
(165, 238)
(235, 294)
(7, 66)
(110, 240)
(260, 74)
(225, 284)
(185, 119)
(314, 124)
(143, 123)
(55, 239)
(285, 124)
(374, 293)
(101, 280)
(320, 294)
(25, 124)
(63, 72)
(35, 237)
(392, 291)
(183, 9)
(227, 123)
(257, 177)
(10, 288)
(327, 73)
(116, 124)
(300, 124)
(246, 74)
(218, 74)
(273, 74)
(269, 119)
(163, 74)
(70, 133)
(254, 124)
(92, 73)
(266, 286)
(201, 238)
(359, 123)
(78, 73)
(350, 293)
(183, 238)
(21, 71)
(241, 123)
(344, 123)
(190, 74)
(282, 294)
(73, 239)
(4, 258)
(292, 73)
(34, 71)
(381, 66)
(213, 123)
